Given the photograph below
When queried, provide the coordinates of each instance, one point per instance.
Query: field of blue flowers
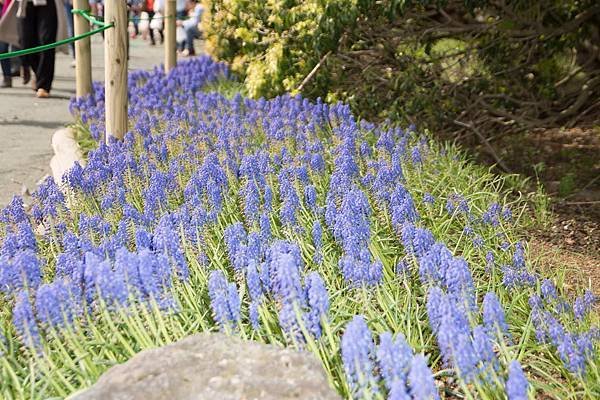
(398, 263)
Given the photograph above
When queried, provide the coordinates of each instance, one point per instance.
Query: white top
(194, 17)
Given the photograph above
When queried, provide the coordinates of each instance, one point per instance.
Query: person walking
(37, 27)
(153, 8)
(32, 23)
(15, 64)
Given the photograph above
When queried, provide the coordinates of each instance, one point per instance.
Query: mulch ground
(567, 163)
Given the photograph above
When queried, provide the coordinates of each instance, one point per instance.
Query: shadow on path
(53, 95)
(34, 123)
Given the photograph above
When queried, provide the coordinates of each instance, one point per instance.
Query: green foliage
(274, 44)
(513, 62)
(566, 185)
(226, 87)
(83, 137)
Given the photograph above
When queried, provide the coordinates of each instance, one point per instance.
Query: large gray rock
(213, 367)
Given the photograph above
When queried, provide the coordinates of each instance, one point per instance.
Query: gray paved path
(27, 123)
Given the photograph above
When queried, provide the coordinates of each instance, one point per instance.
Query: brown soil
(567, 163)
(581, 271)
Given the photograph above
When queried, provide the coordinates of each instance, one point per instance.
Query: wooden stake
(170, 35)
(83, 52)
(115, 68)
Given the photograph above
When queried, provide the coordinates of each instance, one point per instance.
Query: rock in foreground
(213, 366)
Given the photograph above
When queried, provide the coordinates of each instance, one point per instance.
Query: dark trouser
(191, 33)
(160, 31)
(135, 18)
(15, 63)
(6, 62)
(70, 26)
(39, 27)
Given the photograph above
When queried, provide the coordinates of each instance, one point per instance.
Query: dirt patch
(567, 163)
(570, 245)
(577, 270)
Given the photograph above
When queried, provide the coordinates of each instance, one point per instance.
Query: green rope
(163, 17)
(97, 19)
(45, 47)
(92, 19)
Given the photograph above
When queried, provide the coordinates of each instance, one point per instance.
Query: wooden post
(170, 35)
(83, 53)
(115, 68)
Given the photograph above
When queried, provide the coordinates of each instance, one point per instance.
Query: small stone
(25, 190)
(216, 381)
(40, 230)
(214, 366)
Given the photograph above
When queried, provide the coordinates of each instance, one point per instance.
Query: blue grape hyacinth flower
(357, 355)
(224, 300)
(516, 385)
(420, 380)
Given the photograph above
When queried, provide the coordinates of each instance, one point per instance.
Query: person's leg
(28, 37)
(5, 63)
(25, 69)
(100, 14)
(47, 29)
(15, 63)
(6, 72)
(181, 45)
(191, 33)
(150, 30)
(70, 25)
(136, 22)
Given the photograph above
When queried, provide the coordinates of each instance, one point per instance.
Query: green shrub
(502, 64)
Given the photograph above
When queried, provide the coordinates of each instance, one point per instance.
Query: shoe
(42, 94)
(26, 74)
(6, 83)
(188, 53)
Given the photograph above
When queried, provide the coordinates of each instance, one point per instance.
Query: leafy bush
(389, 256)
(494, 64)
